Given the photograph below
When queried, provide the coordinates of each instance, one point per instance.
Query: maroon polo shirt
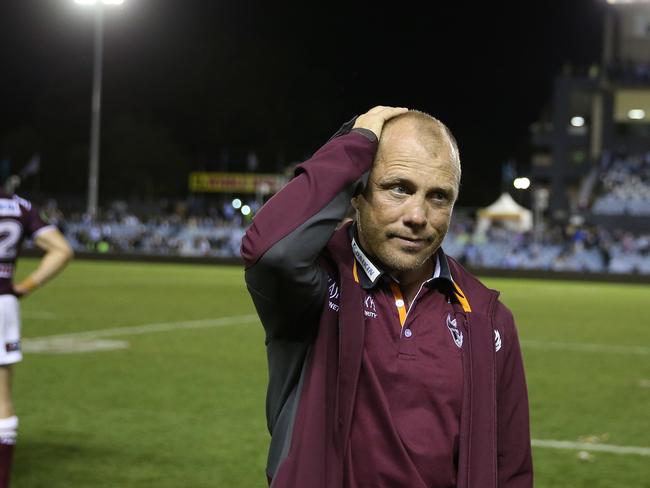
(406, 423)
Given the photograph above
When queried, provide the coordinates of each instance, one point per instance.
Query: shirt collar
(371, 273)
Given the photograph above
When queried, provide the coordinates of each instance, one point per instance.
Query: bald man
(389, 364)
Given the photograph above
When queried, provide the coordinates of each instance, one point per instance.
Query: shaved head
(431, 133)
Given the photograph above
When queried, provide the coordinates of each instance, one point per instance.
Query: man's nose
(415, 213)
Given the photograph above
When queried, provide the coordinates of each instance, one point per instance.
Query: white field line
(586, 446)
(67, 346)
(155, 327)
(584, 347)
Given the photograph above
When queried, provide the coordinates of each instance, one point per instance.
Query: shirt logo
(333, 291)
(369, 307)
(456, 334)
(497, 340)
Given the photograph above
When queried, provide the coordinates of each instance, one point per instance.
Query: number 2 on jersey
(10, 232)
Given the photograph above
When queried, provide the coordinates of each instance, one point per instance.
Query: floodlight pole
(96, 107)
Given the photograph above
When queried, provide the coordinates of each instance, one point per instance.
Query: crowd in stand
(570, 248)
(625, 185)
(215, 233)
(218, 233)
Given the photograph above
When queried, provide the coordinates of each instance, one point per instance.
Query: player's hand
(18, 292)
(25, 287)
(375, 118)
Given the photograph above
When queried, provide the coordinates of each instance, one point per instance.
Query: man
(389, 364)
(20, 220)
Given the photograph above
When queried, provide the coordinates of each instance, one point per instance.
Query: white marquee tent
(508, 212)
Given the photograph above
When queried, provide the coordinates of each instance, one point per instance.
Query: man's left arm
(57, 254)
(514, 459)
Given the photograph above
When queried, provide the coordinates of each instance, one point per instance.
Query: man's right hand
(375, 118)
(25, 287)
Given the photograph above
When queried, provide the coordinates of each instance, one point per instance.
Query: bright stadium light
(236, 203)
(94, 2)
(626, 2)
(246, 210)
(577, 121)
(636, 114)
(521, 183)
(96, 102)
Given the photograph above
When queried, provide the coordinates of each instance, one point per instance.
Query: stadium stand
(624, 186)
(217, 234)
(573, 248)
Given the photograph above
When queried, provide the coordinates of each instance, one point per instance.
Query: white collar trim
(370, 269)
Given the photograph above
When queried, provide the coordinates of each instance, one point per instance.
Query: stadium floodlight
(577, 121)
(96, 101)
(95, 2)
(521, 183)
(626, 2)
(636, 114)
(236, 204)
(246, 210)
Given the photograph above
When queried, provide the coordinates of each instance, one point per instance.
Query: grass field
(157, 379)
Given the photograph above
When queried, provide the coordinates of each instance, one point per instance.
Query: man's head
(404, 212)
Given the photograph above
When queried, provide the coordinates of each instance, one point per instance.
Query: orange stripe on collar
(461, 298)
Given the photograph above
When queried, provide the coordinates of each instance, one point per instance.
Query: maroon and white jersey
(18, 220)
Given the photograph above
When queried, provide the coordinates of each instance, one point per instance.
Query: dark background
(199, 85)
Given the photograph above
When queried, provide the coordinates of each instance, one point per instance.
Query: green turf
(185, 408)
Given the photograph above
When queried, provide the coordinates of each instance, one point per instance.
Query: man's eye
(399, 189)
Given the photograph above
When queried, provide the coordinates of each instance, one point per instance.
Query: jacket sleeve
(282, 246)
(514, 459)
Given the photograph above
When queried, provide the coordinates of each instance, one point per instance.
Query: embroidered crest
(456, 334)
(333, 291)
(369, 307)
(497, 340)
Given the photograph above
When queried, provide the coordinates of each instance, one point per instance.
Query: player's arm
(57, 254)
(283, 244)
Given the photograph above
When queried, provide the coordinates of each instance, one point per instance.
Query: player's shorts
(9, 330)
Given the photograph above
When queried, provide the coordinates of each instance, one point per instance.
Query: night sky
(198, 85)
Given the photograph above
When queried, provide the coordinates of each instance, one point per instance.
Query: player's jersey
(18, 220)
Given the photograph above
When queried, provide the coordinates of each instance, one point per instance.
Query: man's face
(404, 213)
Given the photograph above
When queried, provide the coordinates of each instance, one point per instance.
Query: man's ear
(354, 202)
